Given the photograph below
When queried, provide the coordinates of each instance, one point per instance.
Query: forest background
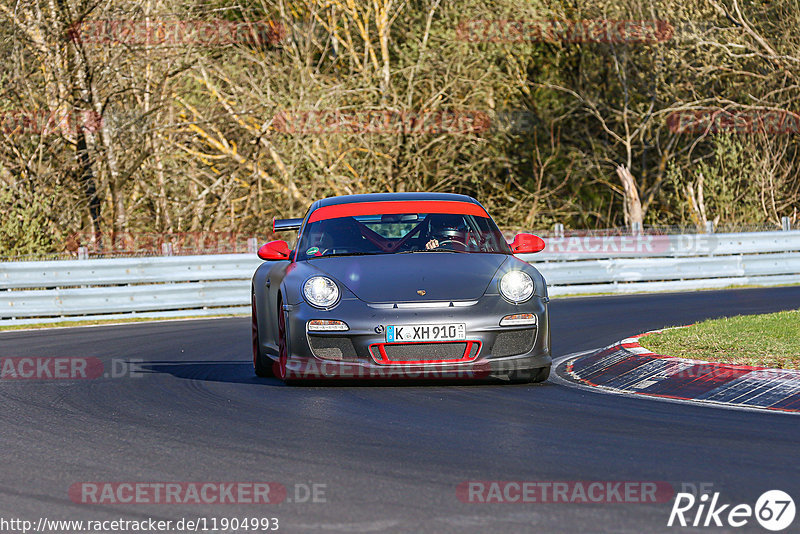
(160, 117)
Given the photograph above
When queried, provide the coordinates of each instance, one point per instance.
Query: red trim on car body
(392, 207)
(386, 361)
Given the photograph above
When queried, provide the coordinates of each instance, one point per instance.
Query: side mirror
(526, 244)
(274, 250)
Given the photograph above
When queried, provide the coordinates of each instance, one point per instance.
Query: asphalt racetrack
(384, 459)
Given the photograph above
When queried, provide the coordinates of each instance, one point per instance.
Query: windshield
(400, 233)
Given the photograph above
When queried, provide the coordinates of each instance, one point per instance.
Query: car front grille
(388, 353)
(513, 343)
(337, 348)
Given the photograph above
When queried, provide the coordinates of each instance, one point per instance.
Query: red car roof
(397, 207)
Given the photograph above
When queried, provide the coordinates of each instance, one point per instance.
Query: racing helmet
(445, 226)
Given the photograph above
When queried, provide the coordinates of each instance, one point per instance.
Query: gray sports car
(399, 285)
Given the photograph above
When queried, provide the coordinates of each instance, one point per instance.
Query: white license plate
(425, 332)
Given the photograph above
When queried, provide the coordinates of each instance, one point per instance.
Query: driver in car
(448, 231)
(341, 234)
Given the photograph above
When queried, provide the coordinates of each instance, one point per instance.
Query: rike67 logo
(774, 510)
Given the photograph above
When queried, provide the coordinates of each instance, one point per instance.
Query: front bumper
(490, 350)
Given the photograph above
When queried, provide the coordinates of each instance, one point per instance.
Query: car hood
(400, 277)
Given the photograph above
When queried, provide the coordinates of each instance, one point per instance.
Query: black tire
(280, 367)
(261, 364)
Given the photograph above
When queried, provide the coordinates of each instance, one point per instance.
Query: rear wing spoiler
(284, 225)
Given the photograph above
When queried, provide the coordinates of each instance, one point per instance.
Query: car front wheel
(281, 366)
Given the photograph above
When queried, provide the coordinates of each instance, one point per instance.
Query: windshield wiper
(346, 254)
(433, 250)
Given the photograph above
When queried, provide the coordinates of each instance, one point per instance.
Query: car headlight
(516, 286)
(321, 291)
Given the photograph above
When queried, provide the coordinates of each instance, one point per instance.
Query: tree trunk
(633, 204)
(89, 184)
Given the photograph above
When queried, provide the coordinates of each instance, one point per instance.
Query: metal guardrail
(51, 291)
(117, 271)
(637, 246)
(644, 263)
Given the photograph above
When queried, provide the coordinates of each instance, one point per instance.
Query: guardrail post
(558, 230)
(636, 228)
(786, 223)
(83, 253)
(166, 249)
(252, 245)
(709, 227)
